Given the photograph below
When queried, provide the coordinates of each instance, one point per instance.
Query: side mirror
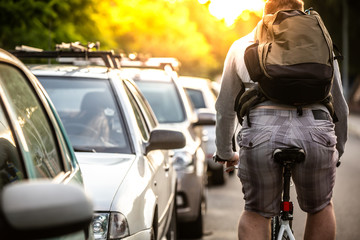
(165, 139)
(205, 117)
(43, 209)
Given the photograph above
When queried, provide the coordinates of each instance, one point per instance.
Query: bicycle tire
(275, 227)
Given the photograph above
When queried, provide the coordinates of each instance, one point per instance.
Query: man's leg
(253, 226)
(321, 225)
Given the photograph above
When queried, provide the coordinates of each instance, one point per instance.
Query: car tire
(193, 229)
(218, 177)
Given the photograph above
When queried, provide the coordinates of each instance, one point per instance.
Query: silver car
(120, 148)
(41, 185)
(174, 110)
(202, 97)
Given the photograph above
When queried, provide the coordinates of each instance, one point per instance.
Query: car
(173, 109)
(215, 88)
(202, 97)
(122, 151)
(41, 185)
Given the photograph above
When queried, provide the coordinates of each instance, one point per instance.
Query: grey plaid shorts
(261, 177)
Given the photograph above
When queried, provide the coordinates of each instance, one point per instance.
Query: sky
(230, 10)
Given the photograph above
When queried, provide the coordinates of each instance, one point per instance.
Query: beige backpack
(292, 61)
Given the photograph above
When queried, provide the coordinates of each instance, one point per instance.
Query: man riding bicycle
(276, 125)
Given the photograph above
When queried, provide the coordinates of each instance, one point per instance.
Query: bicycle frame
(285, 230)
(281, 224)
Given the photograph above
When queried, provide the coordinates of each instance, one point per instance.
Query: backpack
(291, 60)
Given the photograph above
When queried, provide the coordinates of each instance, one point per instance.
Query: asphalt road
(225, 203)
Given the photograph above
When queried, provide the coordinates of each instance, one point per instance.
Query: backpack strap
(238, 102)
(338, 55)
(259, 98)
(328, 102)
(247, 100)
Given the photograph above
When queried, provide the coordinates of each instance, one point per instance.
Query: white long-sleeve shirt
(235, 72)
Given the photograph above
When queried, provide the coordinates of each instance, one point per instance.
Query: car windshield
(89, 113)
(164, 100)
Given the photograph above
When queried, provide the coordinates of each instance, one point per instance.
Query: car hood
(103, 174)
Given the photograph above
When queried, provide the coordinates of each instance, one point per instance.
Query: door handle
(166, 168)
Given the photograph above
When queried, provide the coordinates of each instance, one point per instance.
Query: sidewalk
(354, 125)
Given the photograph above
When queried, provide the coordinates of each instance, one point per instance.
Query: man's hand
(230, 165)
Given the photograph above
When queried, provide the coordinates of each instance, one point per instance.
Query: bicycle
(281, 225)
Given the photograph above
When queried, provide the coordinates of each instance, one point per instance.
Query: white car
(173, 109)
(41, 185)
(202, 97)
(120, 149)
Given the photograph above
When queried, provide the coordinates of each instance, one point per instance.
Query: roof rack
(70, 52)
(133, 60)
(77, 46)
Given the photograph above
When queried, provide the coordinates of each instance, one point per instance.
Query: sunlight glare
(230, 10)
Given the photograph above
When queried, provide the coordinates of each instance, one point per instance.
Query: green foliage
(183, 28)
(168, 28)
(43, 23)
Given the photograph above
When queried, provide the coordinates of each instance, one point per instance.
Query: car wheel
(193, 229)
(172, 231)
(218, 177)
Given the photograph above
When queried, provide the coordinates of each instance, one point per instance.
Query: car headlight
(183, 160)
(113, 225)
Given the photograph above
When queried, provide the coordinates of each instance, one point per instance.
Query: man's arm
(225, 114)
(341, 109)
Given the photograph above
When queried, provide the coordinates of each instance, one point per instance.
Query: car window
(89, 112)
(196, 97)
(140, 120)
(164, 99)
(38, 139)
(145, 108)
(11, 169)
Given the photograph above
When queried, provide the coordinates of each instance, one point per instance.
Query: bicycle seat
(289, 155)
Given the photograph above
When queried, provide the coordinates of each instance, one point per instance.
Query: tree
(43, 23)
(183, 29)
(163, 28)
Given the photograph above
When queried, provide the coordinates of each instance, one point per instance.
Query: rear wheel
(275, 226)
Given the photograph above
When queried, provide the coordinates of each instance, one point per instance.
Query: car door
(30, 146)
(157, 159)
